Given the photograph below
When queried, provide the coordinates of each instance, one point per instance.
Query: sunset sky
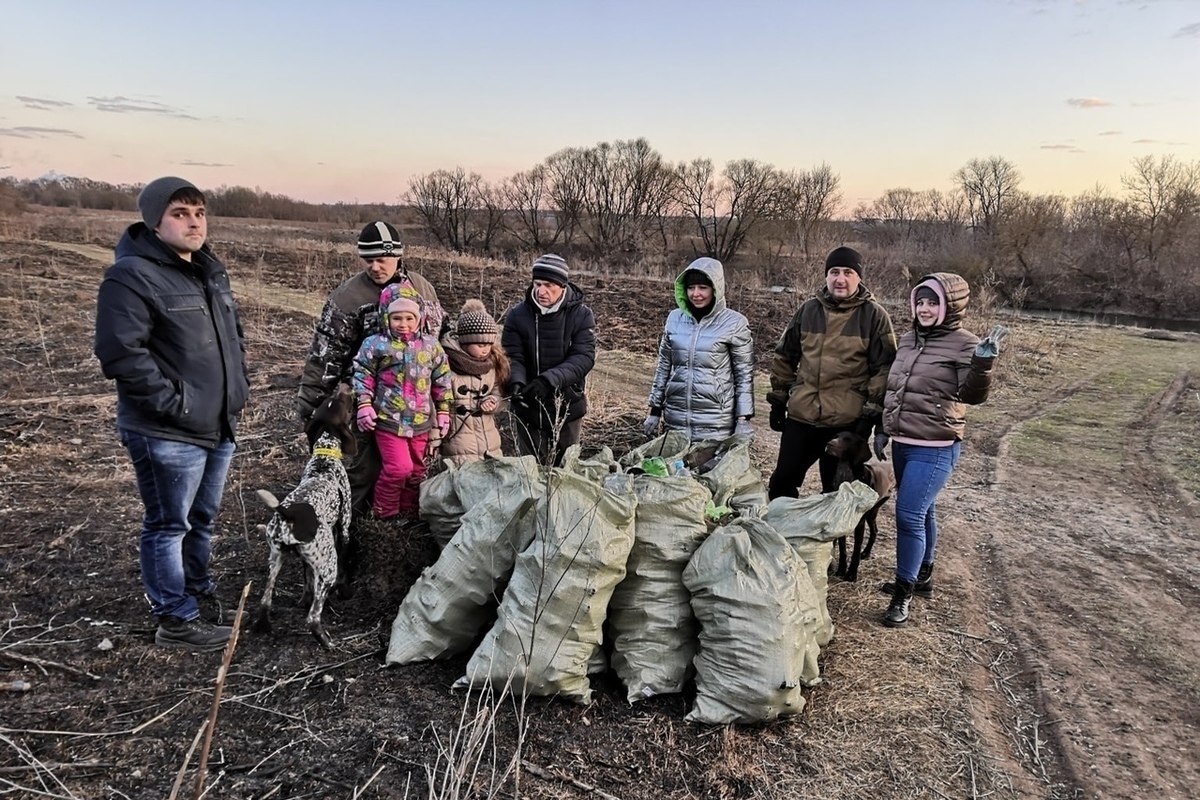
(348, 100)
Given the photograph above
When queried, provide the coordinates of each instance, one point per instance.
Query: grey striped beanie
(550, 268)
(379, 239)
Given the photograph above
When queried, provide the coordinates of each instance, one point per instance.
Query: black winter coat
(167, 331)
(559, 346)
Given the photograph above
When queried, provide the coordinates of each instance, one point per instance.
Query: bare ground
(1056, 660)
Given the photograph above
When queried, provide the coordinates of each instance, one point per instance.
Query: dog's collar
(330, 452)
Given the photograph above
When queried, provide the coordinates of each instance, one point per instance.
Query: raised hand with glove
(778, 418)
(989, 346)
(366, 418)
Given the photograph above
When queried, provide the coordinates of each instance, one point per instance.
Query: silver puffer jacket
(705, 375)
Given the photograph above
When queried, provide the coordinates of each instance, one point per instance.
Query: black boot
(897, 613)
(922, 588)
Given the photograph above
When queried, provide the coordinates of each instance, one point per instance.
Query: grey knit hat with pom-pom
(475, 324)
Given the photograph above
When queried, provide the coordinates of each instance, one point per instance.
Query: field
(1059, 658)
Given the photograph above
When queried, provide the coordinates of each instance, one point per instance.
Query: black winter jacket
(559, 346)
(167, 331)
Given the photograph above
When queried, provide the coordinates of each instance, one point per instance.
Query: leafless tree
(445, 200)
(1164, 194)
(727, 209)
(809, 199)
(528, 197)
(989, 185)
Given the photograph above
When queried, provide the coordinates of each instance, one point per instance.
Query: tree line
(1137, 250)
(622, 203)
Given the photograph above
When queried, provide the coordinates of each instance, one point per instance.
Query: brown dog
(852, 453)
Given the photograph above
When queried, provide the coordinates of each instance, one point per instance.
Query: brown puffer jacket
(936, 374)
(831, 363)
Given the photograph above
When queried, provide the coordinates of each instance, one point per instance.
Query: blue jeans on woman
(921, 472)
(181, 486)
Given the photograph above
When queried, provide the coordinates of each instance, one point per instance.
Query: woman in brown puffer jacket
(939, 370)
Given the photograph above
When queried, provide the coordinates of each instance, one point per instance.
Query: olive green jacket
(831, 363)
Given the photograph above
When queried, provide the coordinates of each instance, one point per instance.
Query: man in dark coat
(550, 339)
(168, 333)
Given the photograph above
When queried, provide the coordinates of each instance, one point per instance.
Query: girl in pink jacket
(402, 384)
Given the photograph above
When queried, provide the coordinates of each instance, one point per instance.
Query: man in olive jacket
(550, 339)
(829, 373)
(168, 333)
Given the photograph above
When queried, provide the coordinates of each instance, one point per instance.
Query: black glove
(778, 418)
(864, 425)
(538, 390)
(515, 391)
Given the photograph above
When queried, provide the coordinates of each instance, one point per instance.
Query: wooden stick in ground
(186, 760)
(202, 767)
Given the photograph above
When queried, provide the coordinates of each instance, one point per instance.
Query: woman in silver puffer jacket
(704, 382)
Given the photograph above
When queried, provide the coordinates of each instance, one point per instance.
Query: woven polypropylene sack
(549, 622)
(811, 524)
(654, 632)
(752, 625)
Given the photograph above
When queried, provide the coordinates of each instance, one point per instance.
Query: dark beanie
(379, 239)
(926, 292)
(475, 325)
(844, 257)
(156, 196)
(696, 277)
(550, 268)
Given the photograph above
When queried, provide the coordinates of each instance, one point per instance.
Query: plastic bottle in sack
(613, 482)
(680, 470)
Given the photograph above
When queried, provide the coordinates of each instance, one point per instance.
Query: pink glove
(443, 420)
(366, 418)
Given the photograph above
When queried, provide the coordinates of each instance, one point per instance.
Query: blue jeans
(921, 472)
(181, 486)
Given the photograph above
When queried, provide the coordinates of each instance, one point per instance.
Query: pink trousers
(397, 490)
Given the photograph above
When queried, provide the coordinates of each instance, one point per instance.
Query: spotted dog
(314, 519)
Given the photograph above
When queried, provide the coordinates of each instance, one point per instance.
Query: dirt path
(1085, 550)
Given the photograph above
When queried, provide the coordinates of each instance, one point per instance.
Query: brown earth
(1057, 659)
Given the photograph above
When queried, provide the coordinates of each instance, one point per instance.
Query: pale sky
(348, 100)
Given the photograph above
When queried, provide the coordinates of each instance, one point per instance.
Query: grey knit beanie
(156, 196)
(550, 267)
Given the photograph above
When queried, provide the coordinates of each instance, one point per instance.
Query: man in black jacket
(168, 333)
(550, 339)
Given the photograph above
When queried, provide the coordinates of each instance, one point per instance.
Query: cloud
(1145, 141)
(31, 132)
(1187, 31)
(204, 164)
(1068, 148)
(42, 103)
(127, 105)
(1109, 133)
(5, 166)
(1088, 102)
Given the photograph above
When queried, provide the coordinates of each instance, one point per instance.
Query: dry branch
(218, 689)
